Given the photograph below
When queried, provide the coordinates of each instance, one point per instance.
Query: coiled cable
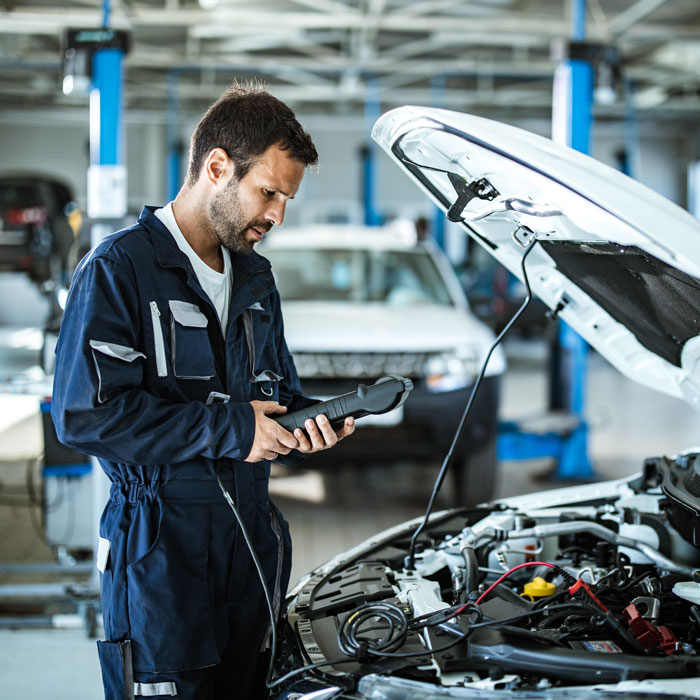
(355, 641)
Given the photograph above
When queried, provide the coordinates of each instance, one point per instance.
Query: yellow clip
(538, 588)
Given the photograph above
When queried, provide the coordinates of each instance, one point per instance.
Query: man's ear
(217, 166)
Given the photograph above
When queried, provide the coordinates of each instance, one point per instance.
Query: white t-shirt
(217, 285)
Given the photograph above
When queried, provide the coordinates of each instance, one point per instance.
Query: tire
(474, 475)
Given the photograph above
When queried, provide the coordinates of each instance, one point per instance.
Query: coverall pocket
(190, 350)
(116, 367)
(168, 595)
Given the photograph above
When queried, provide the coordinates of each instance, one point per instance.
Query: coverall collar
(168, 254)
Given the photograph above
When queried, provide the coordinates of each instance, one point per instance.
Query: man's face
(243, 211)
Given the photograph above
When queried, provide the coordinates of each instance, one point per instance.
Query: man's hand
(321, 435)
(271, 439)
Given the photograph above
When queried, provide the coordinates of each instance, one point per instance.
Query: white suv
(360, 303)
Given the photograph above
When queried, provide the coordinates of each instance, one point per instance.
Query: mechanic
(171, 364)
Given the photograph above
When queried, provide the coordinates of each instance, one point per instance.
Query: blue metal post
(438, 86)
(107, 80)
(575, 463)
(106, 11)
(578, 20)
(631, 129)
(172, 127)
(106, 188)
(370, 166)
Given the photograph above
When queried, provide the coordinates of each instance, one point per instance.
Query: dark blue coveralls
(146, 382)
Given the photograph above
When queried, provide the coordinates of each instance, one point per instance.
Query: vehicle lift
(565, 440)
(103, 50)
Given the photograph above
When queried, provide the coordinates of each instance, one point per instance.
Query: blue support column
(106, 189)
(107, 172)
(573, 101)
(631, 130)
(438, 86)
(370, 166)
(574, 462)
(172, 128)
(369, 177)
(107, 80)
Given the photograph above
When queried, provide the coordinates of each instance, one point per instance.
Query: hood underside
(618, 262)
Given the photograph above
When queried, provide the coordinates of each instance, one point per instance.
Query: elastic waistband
(202, 490)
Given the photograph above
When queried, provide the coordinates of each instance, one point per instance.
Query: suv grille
(361, 365)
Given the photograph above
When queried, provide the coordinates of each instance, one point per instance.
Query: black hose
(471, 569)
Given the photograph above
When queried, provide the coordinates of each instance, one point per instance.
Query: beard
(230, 223)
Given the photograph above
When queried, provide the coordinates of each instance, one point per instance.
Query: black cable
(453, 643)
(352, 644)
(460, 428)
(553, 620)
(28, 491)
(425, 652)
(635, 581)
(261, 574)
(36, 498)
(10, 501)
(29, 481)
(525, 616)
(310, 667)
(39, 526)
(531, 634)
(695, 614)
(602, 578)
(446, 614)
(607, 589)
(546, 600)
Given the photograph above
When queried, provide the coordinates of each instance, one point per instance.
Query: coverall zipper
(161, 364)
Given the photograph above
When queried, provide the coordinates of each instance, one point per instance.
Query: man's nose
(275, 213)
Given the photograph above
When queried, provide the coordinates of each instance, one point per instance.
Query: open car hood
(617, 261)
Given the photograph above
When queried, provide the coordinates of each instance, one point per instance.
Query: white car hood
(622, 262)
(320, 327)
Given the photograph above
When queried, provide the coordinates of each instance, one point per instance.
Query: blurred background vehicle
(39, 226)
(360, 303)
(37, 220)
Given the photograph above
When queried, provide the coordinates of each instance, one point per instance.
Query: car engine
(588, 586)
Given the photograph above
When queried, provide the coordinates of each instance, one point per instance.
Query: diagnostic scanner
(384, 395)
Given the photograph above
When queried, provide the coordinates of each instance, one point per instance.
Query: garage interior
(340, 65)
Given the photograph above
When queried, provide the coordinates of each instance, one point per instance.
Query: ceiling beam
(50, 21)
(324, 5)
(633, 15)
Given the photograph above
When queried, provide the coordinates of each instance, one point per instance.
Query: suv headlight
(449, 371)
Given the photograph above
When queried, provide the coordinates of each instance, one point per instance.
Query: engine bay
(587, 585)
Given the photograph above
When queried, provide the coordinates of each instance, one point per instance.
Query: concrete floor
(327, 512)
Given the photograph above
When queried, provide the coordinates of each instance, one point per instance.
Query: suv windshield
(385, 276)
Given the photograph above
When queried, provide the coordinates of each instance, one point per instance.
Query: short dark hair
(245, 121)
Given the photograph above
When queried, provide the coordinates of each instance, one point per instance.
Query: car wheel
(474, 475)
